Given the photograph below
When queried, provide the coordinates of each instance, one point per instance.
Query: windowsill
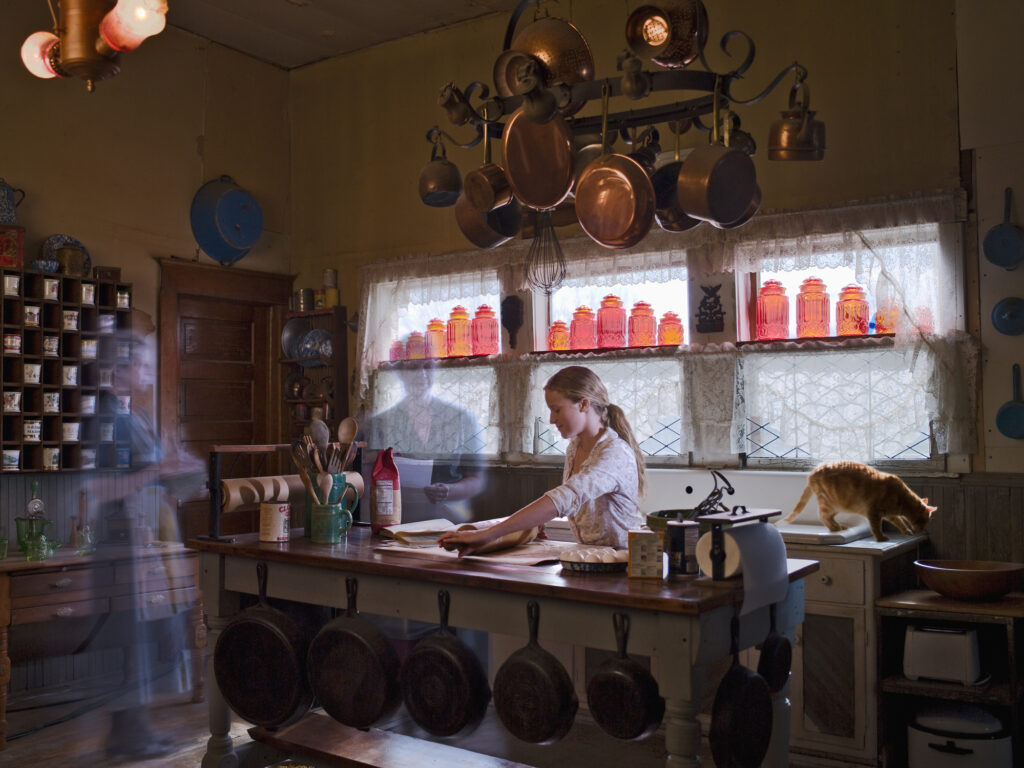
(821, 342)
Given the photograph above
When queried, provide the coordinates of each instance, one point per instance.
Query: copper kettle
(797, 135)
(440, 181)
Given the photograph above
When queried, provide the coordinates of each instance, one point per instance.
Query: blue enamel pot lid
(1008, 316)
(226, 220)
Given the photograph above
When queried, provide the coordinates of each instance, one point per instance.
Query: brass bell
(797, 135)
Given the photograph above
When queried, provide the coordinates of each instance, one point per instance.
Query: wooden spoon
(347, 430)
(321, 435)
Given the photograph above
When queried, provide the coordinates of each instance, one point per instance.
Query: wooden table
(682, 623)
(67, 604)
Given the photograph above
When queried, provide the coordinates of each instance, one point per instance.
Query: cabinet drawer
(158, 604)
(157, 573)
(58, 611)
(59, 582)
(837, 580)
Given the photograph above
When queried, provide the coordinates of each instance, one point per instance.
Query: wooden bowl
(970, 579)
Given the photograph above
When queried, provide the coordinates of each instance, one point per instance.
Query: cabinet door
(828, 686)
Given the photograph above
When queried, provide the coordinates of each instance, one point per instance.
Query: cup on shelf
(106, 377)
(12, 343)
(87, 405)
(12, 402)
(33, 430)
(70, 319)
(51, 402)
(70, 375)
(88, 458)
(124, 404)
(51, 289)
(33, 372)
(51, 346)
(107, 432)
(12, 285)
(32, 315)
(124, 458)
(89, 347)
(107, 322)
(51, 458)
(12, 459)
(71, 431)
(88, 293)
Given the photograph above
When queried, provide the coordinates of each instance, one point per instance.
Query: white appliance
(941, 653)
(949, 735)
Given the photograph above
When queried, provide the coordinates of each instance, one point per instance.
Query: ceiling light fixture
(89, 37)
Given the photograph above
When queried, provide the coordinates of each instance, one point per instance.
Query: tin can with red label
(274, 520)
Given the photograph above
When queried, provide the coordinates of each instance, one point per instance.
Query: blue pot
(226, 220)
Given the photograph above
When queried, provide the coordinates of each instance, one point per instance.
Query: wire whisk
(546, 268)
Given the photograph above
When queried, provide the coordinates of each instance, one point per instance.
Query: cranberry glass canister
(485, 331)
(611, 323)
(460, 343)
(583, 329)
(851, 312)
(772, 312)
(812, 309)
(415, 348)
(435, 340)
(558, 336)
(642, 325)
(670, 330)
(397, 351)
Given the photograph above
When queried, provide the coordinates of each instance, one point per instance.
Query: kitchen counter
(682, 623)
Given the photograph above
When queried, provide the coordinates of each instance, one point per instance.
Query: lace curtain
(906, 250)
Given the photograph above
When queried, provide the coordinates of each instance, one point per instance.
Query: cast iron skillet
(776, 657)
(741, 718)
(623, 695)
(533, 693)
(259, 663)
(354, 668)
(443, 684)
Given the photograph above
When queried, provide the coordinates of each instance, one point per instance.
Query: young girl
(603, 475)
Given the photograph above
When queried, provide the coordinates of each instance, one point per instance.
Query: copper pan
(671, 33)
(538, 160)
(667, 211)
(486, 187)
(614, 197)
(716, 183)
(488, 229)
(752, 208)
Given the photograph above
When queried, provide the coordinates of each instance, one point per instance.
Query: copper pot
(671, 34)
(716, 183)
(488, 229)
(667, 211)
(615, 201)
(752, 208)
(797, 135)
(487, 187)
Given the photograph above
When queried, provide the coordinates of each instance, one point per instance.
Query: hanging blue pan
(1010, 417)
(1008, 316)
(1004, 243)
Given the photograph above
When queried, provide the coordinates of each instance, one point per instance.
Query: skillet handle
(1007, 202)
(444, 601)
(734, 646)
(351, 590)
(621, 623)
(261, 579)
(533, 618)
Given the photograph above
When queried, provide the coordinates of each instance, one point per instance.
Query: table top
(66, 557)
(358, 554)
(1010, 606)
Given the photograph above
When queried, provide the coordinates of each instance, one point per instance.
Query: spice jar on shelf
(611, 323)
(397, 351)
(583, 329)
(460, 342)
(670, 330)
(434, 339)
(812, 309)
(485, 331)
(415, 348)
(558, 337)
(643, 327)
(772, 312)
(852, 312)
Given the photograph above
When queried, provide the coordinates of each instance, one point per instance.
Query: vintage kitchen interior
(512, 382)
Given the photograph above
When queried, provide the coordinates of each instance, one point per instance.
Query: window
(902, 398)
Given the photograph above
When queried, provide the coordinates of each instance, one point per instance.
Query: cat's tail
(804, 498)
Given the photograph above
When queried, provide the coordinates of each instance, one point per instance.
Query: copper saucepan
(491, 228)
(667, 211)
(487, 187)
(717, 183)
(614, 197)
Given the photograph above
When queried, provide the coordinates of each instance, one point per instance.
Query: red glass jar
(485, 331)
(812, 309)
(670, 330)
(643, 327)
(397, 351)
(558, 337)
(852, 312)
(436, 345)
(611, 323)
(583, 329)
(415, 348)
(772, 312)
(460, 341)
(885, 317)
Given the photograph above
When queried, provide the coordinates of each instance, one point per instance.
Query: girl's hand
(436, 493)
(466, 542)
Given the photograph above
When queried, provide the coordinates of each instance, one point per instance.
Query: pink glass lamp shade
(36, 54)
(130, 22)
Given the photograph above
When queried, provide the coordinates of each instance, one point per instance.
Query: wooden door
(219, 381)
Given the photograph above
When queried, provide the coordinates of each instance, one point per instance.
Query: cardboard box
(12, 241)
(646, 555)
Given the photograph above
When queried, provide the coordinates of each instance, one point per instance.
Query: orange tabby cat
(846, 486)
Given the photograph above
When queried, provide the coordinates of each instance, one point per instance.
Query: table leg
(5, 679)
(219, 747)
(682, 733)
(198, 653)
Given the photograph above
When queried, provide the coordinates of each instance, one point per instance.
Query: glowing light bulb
(655, 30)
(132, 21)
(35, 54)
